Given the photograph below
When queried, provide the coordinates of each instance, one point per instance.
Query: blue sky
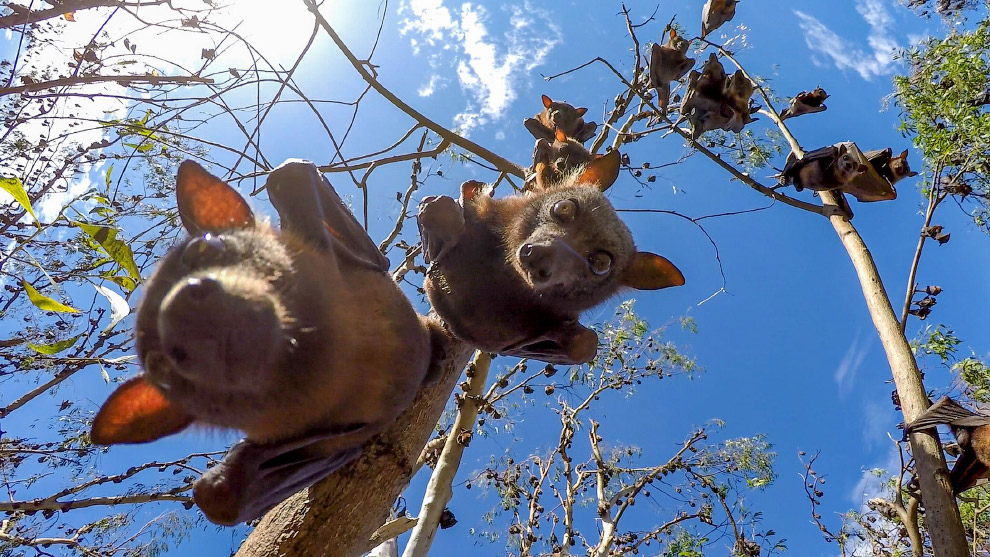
(788, 349)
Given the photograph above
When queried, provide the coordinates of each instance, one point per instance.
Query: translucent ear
(600, 172)
(650, 271)
(581, 111)
(137, 412)
(546, 101)
(903, 155)
(559, 135)
(207, 204)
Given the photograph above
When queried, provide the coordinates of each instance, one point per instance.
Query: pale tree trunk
(337, 516)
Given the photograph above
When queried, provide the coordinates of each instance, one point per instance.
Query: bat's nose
(537, 259)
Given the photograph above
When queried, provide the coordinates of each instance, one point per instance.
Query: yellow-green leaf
(55, 347)
(114, 246)
(15, 188)
(44, 302)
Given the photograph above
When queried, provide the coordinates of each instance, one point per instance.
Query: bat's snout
(211, 332)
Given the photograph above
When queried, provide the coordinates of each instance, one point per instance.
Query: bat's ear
(581, 111)
(207, 204)
(862, 168)
(471, 189)
(601, 172)
(137, 412)
(559, 135)
(843, 149)
(672, 34)
(911, 174)
(650, 271)
(546, 101)
(903, 155)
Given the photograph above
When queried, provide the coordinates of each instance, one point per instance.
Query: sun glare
(278, 30)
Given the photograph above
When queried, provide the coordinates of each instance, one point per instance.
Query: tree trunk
(338, 515)
(941, 512)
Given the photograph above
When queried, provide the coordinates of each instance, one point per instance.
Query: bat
(737, 93)
(557, 115)
(300, 339)
(972, 435)
(825, 169)
(512, 275)
(669, 63)
(894, 169)
(805, 103)
(715, 100)
(715, 13)
(552, 161)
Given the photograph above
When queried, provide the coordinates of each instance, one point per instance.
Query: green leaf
(123, 281)
(115, 247)
(15, 188)
(109, 171)
(55, 347)
(44, 302)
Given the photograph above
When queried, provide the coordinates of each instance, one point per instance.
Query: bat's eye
(600, 263)
(564, 211)
(202, 249)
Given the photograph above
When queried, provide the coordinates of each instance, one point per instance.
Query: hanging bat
(715, 13)
(715, 101)
(557, 115)
(669, 63)
(736, 94)
(894, 169)
(825, 169)
(512, 275)
(972, 435)
(300, 339)
(805, 103)
(552, 161)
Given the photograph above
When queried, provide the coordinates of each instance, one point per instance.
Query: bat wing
(967, 471)
(571, 343)
(309, 207)
(794, 164)
(537, 128)
(254, 477)
(949, 412)
(441, 223)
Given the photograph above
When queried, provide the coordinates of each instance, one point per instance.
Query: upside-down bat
(805, 103)
(736, 93)
(972, 435)
(825, 169)
(669, 63)
(301, 340)
(553, 160)
(716, 101)
(890, 167)
(512, 275)
(715, 13)
(558, 115)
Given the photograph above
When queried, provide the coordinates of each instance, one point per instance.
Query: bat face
(555, 160)
(899, 168)
(846, 167)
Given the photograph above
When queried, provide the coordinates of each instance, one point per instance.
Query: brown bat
(301, 340)
(825, 169)
(557, 115)
(972, 433)
(669, 63)
(737, 93)
(715, 13)
(552, 161)
(805, 103)
(894, 169)
(512, 275)
(704, 105)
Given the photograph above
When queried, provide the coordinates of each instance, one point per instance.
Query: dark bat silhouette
(558, 115)
(669, 62)
(715, 13)
(736, 93)
(301, 340)
(805, 103)
(972, 435)
(553, 160)
(825, 169)
(894, 169)
(512, 275)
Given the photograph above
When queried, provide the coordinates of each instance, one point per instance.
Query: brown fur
(558, 115)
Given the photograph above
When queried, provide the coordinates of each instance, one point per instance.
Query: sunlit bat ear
(650, 271)
(136, 412)
(471, 189)
(546, 101)
(601, 172)
(903, 155)
(581, 111)
(207, 204)
(672, 34)
(559, 135)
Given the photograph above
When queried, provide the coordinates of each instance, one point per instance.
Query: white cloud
(845, 374)
(826, 44)
(489, 68)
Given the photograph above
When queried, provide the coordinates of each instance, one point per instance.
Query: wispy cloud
(845, 374)
(826, 44)
(489, 67)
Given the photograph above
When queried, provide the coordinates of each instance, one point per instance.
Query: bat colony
(300, 339)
